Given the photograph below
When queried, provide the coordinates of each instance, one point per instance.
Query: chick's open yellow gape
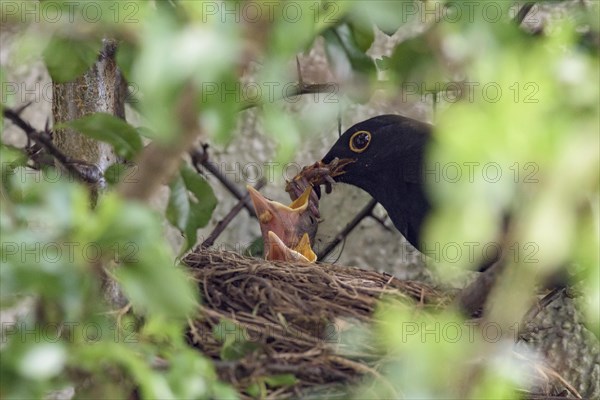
(287, 231)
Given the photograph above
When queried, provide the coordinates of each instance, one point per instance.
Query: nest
(291, 314)
(285, 319)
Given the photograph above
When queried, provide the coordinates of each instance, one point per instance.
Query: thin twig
(542, 396)
(299, 90)
(365, 212)
(200, 160)
(473, 297)
(523, 11)
(210, 240)
(82, 170)
(380, 221)
(357, 366)
(543, 303)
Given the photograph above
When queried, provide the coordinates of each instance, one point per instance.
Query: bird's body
(386, 157)
(390, 167)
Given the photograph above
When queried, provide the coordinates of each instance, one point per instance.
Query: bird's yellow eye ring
(359, 141)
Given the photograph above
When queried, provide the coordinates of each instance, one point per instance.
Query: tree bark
(100, 89)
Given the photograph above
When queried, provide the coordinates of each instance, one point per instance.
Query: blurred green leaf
(68, 58)
(126, 54)
(341, 47)
(191, 204)
(388, 16)
(219, 104)
(225, 392)
(281, 380)
(9, 93)
(119, 172)
(234, 350)
(178, 208)
(204, 197)
(134, 236)
(152, 274)
(108, 128)
(256, 248)
(363, 36)
(257, 390)
(413, 62)
(172, 57)
(235, 340)
(11, 159)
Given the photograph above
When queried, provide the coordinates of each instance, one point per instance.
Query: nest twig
(293, 314)
(290, 318)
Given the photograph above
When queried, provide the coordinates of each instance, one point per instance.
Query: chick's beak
(288, 223)
(278, 251)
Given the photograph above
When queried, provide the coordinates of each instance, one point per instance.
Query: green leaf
(387, 15)
(257, 390)
(413, 62)
(363, 35)
(178, 208)
(234, 339)
(155, 286)
(256, 248)
(219, 109)
(118, 172)
(281, 380)
(125, 56)
(9, 96)
(340, 42)
(108, 128)
(134, 235)
(234, 350)
(205, 201)
(68, 58)
(191, 203)
(222, 391)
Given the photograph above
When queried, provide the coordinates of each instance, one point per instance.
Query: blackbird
(384, 156)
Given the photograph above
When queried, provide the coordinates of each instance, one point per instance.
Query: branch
(472, 298)
(365, 212)
(159, 161)
(542, 304)
(523, 11)
(380, 221)
(299, 90)
(200, 160)
(85, 172)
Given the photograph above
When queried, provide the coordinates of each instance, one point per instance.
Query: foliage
(55, 249)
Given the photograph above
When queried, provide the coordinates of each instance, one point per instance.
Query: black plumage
(388, 153)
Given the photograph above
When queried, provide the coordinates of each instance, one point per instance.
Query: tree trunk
(100, 89)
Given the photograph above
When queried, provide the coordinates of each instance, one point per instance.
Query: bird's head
(384, 156)
(381, 149)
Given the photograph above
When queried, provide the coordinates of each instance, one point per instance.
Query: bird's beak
(288, 223)
(278, 251)
(336, 166)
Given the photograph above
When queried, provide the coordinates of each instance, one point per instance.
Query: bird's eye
(360, 141)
